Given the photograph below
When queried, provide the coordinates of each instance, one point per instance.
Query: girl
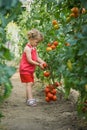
(28, 63)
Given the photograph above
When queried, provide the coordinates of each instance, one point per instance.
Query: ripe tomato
(51, 86)
(57, 84)
(75, 10)
(44, 65)
(53, 47)
(55, 43)
(47, 99)
(72, 15)
(54, 22)
(47, 90)
(54, 91)
(46, 73)
(50, 95)
(49, 44)
(54, 98)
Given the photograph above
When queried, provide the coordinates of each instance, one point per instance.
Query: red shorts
(26, 78)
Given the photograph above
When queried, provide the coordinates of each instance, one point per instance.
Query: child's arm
(40, 61)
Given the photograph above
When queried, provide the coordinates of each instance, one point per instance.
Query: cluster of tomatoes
(52, 46)
(55, 24)
(75, 12)
(84, 109)
(51, 91)
(46, 72)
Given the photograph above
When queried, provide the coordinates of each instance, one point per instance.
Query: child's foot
(31, 102)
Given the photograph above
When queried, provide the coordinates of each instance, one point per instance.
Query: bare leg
(29, 94)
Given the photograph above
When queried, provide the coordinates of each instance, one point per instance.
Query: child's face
(34, 42)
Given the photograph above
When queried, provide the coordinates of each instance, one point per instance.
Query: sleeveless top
(25, 66)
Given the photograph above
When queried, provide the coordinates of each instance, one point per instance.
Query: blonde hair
(35, 34)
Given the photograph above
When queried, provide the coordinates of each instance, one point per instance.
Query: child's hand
(41, 65)
(45, 65)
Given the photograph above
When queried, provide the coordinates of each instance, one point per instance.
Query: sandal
(31, 102)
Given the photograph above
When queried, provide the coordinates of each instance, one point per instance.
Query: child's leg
(29, 94)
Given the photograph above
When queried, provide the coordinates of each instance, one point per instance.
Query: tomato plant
(64, 22)
(69, 58)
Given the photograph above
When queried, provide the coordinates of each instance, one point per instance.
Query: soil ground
(58, 115)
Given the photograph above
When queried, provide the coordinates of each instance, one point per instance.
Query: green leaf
(2, 31)
(82, 51)
(9, 71)
(5, 73)
(5, 53)
(7, 90)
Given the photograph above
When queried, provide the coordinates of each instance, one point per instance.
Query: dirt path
(59, 115)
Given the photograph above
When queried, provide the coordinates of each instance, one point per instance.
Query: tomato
(75, 10)
(46, 73)
(51, 86)
(47, 90)
(53, 47)
(49, 44)
(68, 19)
(54, 91)
(50, 95)
(54, 98)
(57, 84)
(45, 65)
(48, 49)
(55, 43)
(54, 22)
(72, 15)
(56, 26)
(47, 99)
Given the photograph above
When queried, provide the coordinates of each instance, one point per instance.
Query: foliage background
(68, 61)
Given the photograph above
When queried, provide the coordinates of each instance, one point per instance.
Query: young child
(28, 63)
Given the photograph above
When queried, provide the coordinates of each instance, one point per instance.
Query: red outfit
(27, 69)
